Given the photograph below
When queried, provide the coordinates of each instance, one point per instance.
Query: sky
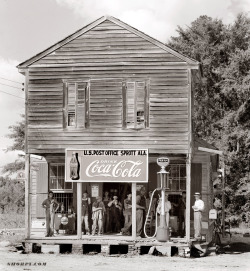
(27, 27)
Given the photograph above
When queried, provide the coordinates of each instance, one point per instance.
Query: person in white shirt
(198, 208)
(167, 208)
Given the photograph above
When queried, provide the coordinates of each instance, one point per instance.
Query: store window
(177, 177)
(136, 104)
(63, 191)
(57, 179)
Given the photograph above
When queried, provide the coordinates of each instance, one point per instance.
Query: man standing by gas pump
(198, 208)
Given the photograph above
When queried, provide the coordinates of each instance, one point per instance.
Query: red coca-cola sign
(109, 165)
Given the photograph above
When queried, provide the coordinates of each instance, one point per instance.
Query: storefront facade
(110, 87)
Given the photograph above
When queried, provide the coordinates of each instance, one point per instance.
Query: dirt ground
(236, 257)
(231, 261)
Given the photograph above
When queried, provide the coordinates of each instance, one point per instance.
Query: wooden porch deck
(106, 239)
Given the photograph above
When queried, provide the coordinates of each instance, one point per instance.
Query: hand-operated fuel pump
(162, 232)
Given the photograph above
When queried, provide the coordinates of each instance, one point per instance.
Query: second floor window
(76, 104)
(136, 104)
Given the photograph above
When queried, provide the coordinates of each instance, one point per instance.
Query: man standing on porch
(51, 206)
(98, 210)
(198, 208)
(85, 212)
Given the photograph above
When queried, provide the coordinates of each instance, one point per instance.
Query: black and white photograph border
(124, 137)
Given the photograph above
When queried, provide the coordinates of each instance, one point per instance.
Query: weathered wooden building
(110, 86)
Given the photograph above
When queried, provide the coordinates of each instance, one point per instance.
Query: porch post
(27, 196)
(79, 210)
(134, 210)
(188, 197)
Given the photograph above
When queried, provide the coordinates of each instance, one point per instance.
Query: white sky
(30, 26)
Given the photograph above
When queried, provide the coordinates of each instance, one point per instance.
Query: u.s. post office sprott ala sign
(106, 165)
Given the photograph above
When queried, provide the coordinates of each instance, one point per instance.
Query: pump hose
(149, 208)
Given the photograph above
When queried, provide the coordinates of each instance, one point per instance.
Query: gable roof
(90, 26)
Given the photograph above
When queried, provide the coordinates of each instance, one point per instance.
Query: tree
(17, 133)
(222, 99)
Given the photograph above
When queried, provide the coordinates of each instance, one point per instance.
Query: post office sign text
(109, 165)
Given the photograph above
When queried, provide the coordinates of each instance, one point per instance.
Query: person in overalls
(51, 206)
(85, 212)
(115, 214)
(98, 210)
(127, 215)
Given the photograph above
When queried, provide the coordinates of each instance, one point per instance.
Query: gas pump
(161, 232)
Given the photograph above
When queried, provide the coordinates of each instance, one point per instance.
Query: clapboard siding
(106, 56)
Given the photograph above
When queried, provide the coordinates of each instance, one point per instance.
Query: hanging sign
(109, 165)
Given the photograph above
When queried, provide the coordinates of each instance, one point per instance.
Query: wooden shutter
(80, 104)
(196, 181)
(71, 104)
(140, 104)
(131, 102)
(41, 188)
(146, 103)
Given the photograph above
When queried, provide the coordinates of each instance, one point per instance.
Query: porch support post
(27, 196)
(134, 210)
(79, 210)
(188, 197)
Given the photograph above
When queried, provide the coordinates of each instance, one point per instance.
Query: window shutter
(140, 107)
(131, 102)
(146, 103)
(80, 104)
(71, 104)
(124, 104)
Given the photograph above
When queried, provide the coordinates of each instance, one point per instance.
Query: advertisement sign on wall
(99, 165)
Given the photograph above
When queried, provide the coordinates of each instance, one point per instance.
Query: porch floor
(109, 239)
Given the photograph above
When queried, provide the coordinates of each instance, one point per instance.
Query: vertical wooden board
(40, 212)
(41, 188)
(134, 210)
(27, 196)
(79, 210)
(75, 196)
(196, 182)
(42, 178)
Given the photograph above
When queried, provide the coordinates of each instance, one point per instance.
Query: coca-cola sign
(107, 165)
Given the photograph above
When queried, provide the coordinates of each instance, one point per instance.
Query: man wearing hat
(198, 208)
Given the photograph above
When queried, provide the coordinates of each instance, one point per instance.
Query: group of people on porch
(109, 215)
(106, 213)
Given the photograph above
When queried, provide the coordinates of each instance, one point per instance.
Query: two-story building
(110, 86)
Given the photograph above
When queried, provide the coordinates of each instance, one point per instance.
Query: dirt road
(11, 261)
